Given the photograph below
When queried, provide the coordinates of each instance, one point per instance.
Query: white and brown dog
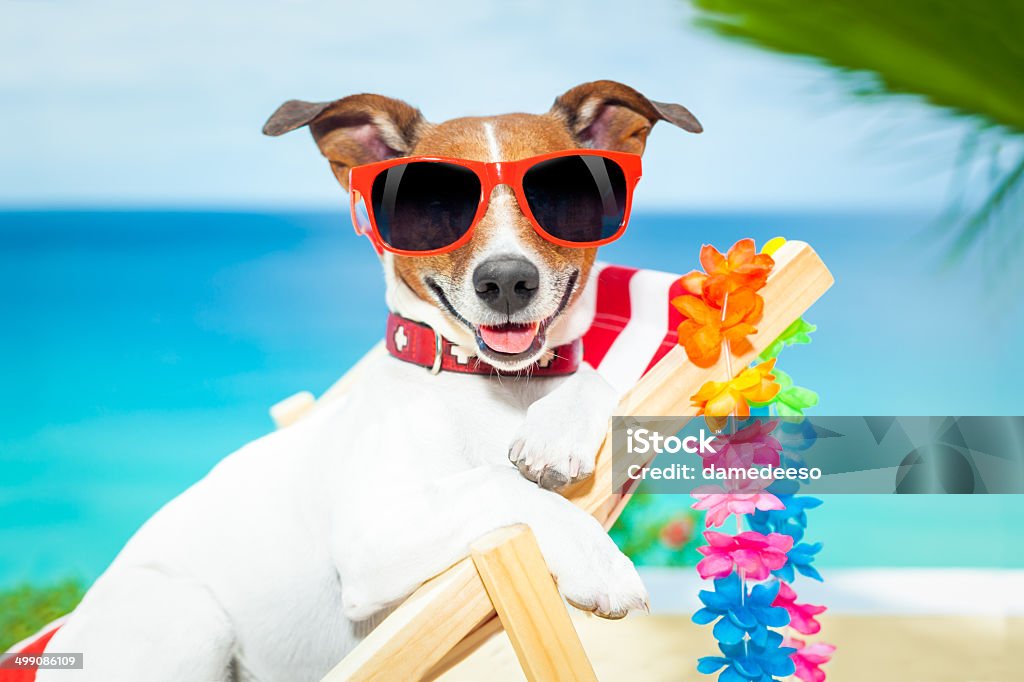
(274, 565)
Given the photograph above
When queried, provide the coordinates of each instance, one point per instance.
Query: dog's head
(508, 293)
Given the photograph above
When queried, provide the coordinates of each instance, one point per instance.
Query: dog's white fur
(281, 559)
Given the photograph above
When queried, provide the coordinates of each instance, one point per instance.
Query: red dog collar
(419, 344)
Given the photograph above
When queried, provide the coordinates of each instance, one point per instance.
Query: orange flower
(721, 399)
(741, 267)
(706, 328)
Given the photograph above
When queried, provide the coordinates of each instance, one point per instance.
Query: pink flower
(751, 446)
(754, 555)
(809, 657)
(720, 506)
(801, 616)
(736, 486)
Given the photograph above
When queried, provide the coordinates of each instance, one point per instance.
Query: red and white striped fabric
(33, 646)
(634, 326)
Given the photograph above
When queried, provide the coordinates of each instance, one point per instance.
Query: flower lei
(721, 308)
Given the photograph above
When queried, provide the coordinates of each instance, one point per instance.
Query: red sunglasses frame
(490, 174)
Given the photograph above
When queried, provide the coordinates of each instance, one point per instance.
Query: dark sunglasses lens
(577, 198)
(424, 205)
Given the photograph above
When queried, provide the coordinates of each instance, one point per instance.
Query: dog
(281, 559)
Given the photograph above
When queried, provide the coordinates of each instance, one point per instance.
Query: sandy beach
(875, 648)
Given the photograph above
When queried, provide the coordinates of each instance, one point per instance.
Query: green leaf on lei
(797, 333)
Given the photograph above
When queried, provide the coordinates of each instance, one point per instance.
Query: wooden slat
(470, 643)
(293, 408)
(797, 281)
(533, 614)
(420, 632)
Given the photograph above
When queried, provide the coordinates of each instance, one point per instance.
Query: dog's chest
(485, 414)
(451, 418)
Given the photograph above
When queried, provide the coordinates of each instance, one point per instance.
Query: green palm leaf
(965, 56)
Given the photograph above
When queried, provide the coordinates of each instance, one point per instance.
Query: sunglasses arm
(361, 224)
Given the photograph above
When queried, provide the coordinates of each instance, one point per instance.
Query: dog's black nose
(506, 284)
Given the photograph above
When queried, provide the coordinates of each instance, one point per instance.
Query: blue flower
(750, 662)
(738, 615)
(796, 434)
(785, 487)
(801, 557)
(790, 521)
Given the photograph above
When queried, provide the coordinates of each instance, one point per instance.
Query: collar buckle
(438, 353)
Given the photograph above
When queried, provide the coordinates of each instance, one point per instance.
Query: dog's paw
(595, 576)
(552, 455)
(552, 448)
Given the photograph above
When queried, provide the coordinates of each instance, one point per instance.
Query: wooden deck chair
(504, 583)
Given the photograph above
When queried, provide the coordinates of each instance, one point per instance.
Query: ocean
(137, 348)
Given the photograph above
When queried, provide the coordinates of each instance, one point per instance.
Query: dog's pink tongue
(509, 338)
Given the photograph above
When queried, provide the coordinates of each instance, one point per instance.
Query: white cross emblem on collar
(462, 355)
(401, 340)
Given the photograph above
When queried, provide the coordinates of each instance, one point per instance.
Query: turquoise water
(138, 348)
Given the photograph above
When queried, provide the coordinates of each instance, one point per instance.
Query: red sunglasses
(425, 205)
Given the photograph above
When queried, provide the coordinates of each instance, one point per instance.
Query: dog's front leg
(558, 441)
(394, 548)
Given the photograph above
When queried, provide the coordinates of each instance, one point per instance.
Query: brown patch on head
(506, 138)
(518, 136)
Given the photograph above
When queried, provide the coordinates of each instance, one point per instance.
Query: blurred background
(167, 273)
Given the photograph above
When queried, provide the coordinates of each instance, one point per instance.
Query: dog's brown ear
(353, 130)
(611, 115)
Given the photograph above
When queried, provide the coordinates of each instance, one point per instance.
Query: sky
(120, 103)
